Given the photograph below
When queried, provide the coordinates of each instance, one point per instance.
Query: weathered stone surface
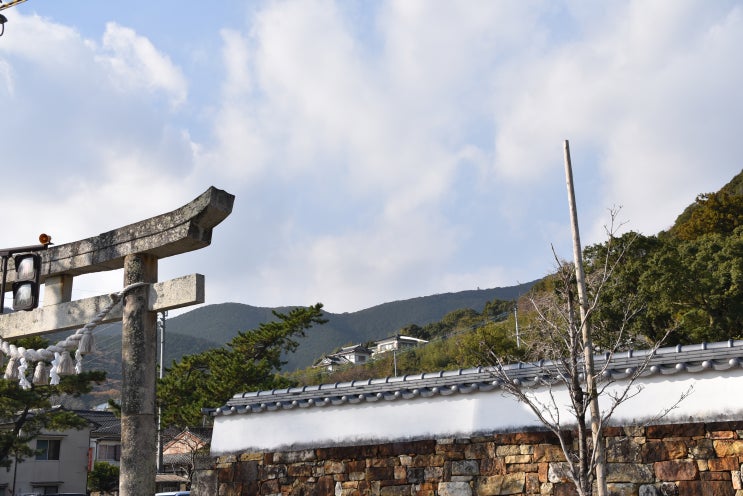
(676, 470)
(465, 467)
(548, 453)
(648, 490)
(558, 472)
(675, 430)
(622, 450)
(719, 464)
(454, 489)
(294, 456)
(701, 449)
(727, 447)
(669, 489)
(622, 489)
(629, 472)
(432, 474)
(501, 485)
(706, 488)
(518, 459)
(564, 489)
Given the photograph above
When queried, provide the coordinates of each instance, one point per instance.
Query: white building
(66, 457)
(62, 465)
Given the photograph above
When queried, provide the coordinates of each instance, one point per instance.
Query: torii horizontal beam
(185, 229)
(167, 295)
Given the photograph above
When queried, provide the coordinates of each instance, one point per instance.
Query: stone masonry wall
(678, 459)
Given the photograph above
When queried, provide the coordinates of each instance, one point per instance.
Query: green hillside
(218, 323)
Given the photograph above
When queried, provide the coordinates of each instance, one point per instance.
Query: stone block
(634, 431)
(522, 467)
(334, 467)
(251, 457)
(728, 447)
(676, 470)
(716, 476)
(622, 450)
(648, 490)
(728, 463)
(701, 449)
(416, 475)
(668, 489)
(408, 448)
(532, 484)
(492, 466)
(501, 484)
(705, 488)
(294, 456)
(536, 437)
(517, 459)
(479, 451)
(558, 472)
(735, 477)
(380, 473)
(454, 489)
(507, 450)
(433, 473)
(395, 491)
(675, 430)
(635, 473)
(657, 451)
(465, 467)
(621, 489)
(246, 471)
(564, 489)
(548, 453)
(722, 435)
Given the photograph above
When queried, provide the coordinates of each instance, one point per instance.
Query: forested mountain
(211, 326)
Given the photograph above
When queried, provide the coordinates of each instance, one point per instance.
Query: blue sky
(377, 150)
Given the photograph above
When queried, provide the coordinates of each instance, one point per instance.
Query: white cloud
(137, 65)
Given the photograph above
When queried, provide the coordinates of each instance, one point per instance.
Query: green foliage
(250, 361)
(697, 287)
(29, 411)
(713, 213)
(476, 348)
(103, 478)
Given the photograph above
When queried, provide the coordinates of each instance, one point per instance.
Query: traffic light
(26, 285)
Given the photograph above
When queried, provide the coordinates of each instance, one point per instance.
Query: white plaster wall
(713, 397)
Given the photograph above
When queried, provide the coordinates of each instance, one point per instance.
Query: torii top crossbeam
(185, 229)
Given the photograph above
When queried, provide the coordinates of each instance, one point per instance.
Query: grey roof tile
(663, 361)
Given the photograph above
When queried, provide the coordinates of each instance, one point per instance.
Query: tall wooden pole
(580, 277)
(138, 354)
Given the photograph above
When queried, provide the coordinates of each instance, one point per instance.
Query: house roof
(106, 423)
(663, 361)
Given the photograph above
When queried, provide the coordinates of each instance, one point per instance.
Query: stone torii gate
(136, 248)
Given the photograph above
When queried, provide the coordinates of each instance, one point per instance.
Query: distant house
(105, 437)
(397, 342)
(65, 457)
(181, 455)
(348, 355)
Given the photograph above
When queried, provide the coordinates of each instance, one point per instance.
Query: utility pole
(580, 276)
(161, 324)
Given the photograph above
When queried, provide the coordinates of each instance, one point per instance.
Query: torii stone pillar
(138, 368)
(136, 248)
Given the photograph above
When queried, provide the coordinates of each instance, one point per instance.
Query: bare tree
(556, 344)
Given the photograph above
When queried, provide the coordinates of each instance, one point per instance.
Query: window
(48, 449)
(109, 452)
(46, 489)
